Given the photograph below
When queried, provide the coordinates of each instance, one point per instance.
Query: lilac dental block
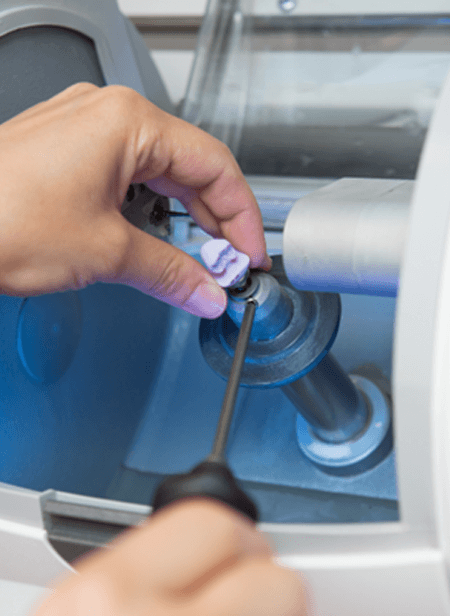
(226, 264)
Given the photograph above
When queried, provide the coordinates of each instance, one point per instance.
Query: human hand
(192, 558)
(65, 167)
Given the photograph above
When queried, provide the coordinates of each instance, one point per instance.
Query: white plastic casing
(28, 563)
(351, 7)
(303, 7)
(402, 568)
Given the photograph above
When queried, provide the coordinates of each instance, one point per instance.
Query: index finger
(240, 218)
(201, 172)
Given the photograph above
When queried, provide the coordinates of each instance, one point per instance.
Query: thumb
(169, 274)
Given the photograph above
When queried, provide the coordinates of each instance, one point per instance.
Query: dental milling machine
(321, 395)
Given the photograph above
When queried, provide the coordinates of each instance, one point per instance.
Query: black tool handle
(207, 479)
(212, 478)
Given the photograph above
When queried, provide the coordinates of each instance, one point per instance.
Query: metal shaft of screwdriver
(229, 400)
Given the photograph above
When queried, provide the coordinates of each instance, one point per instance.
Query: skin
(65, 167)
(194, 558)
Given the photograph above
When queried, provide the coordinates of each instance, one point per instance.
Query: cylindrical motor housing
(348, 237)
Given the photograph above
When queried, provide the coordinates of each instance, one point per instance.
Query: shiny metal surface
(334, 408)
(314, 95)
(348, 237)
(180, 419)
(360, 453)
(272, 362)
(275, 307)
(345, 427)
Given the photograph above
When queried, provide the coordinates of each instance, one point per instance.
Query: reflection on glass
(318, 97)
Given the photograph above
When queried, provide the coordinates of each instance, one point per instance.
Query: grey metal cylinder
(331, 404)
(348, 237)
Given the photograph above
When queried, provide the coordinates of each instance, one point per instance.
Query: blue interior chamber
(103, 391)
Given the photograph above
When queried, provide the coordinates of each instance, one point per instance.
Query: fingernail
(208, 301)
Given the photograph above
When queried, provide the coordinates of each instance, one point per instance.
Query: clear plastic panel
(318, 96)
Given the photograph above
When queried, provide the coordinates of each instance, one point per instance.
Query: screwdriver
(212, 478)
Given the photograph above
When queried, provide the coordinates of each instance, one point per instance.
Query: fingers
(208, 535)
(202, 173)
(234, 214)
(166, 273)
(195, 558)
(181, 549)
(254, 587)
(87, 144)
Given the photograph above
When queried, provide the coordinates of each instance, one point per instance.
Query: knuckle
(82, 87)
(225, 151)
(121, 96)
(221, 148)
(85, 86)
(120, 106)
